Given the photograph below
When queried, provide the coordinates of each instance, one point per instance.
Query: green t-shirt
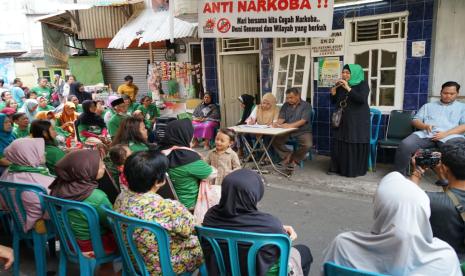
(114, 123)
(79, 108)
(79, 222)
(133, 107)
(53, 154)
(2, 105)
(186, 180)
(46, 108)
(149, 114)
(20, 133)
(42, 92)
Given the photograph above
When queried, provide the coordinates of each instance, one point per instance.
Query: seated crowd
(122, 168)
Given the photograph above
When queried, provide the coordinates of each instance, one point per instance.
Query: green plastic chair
(332, 269)
(58, 210)
(127, 245)
(398, 128)
(39, 241)
(256, 241)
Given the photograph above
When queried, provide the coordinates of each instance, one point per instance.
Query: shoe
(281, 165)
(331, 173)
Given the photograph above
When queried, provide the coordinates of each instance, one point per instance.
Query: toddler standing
(223, 158)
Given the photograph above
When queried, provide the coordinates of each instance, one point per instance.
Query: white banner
(329, 46)
(265, 18)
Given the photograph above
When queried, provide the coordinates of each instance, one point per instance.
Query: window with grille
(378, 29)
(383, 62)
(239, 44)
(292, 42)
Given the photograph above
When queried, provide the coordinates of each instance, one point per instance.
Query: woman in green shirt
(132, 132)
(186, 167)
(131, 106)
(44, 129)
(77, 179)
(43, 105)
(149, 111)
(21, 125)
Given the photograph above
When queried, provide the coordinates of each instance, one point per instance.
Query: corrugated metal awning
(151, 26)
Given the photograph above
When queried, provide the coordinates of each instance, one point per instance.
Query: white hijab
(401, 240)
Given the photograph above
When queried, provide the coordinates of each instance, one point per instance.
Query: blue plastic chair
(332, 269)
(292, 142)
(233, 238)
(58, 210)
(127, 245)
(375, 119)
(18, 217)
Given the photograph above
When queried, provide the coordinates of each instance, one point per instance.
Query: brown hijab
(266, 117)
(76, 175)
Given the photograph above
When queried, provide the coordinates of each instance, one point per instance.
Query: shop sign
(329, 46)
(265, 18)
(329, 71)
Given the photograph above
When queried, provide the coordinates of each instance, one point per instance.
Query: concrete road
(318, 216)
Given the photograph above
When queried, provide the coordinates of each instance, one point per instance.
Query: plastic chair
(375, 119)
(399, 127)
(69, 250)
(256, 241)
(292, 142)
(128, 247)
(332, 269)
(14, 202)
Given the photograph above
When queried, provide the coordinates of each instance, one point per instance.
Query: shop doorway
(239, 76)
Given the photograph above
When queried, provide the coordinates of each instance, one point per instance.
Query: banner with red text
(265, 18)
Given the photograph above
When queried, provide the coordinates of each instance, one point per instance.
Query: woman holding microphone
(351, 137)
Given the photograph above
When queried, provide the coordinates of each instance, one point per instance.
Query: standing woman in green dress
(351, 140)
(44, 129)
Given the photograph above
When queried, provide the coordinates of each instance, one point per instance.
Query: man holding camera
(448, 217)
(437, 123)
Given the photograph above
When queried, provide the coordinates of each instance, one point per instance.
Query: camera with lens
(427, 158)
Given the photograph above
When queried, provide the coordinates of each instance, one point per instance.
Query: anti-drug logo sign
(265, 18)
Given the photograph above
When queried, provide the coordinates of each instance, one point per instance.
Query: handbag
(208, 196)
(336, 117)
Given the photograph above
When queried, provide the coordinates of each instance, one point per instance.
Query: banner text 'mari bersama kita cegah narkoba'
(265, 18)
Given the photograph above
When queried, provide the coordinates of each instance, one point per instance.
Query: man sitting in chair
(295, 113)
(437, 123)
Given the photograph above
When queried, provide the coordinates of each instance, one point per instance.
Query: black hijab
(248, 101)
(74, 90)
(90, 118)
(241, 191)
(179, 133)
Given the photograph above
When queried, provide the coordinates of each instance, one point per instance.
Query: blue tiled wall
(210, 64)
(420, 23)
(266, 60)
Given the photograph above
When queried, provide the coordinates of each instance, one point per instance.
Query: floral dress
(186, 253)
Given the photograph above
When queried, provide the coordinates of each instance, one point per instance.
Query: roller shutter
(119, 63)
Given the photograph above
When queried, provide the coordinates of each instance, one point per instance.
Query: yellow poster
(329, 71)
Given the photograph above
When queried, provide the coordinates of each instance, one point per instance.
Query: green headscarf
(22, 168)
(356, 74)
